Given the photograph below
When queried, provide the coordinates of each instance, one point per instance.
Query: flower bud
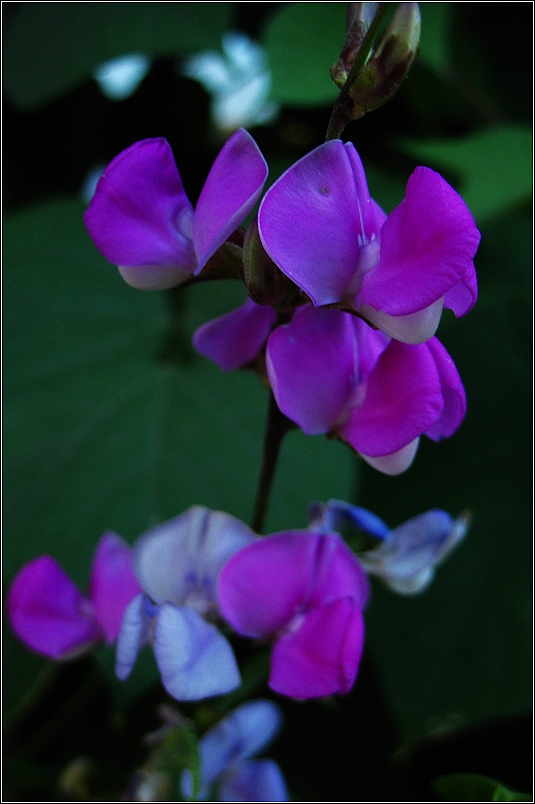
(390, 61)
(359, 18)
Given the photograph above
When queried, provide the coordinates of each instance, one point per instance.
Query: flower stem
(277, 425)
(342, 111)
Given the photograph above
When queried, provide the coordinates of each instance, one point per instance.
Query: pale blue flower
(177, 564)
(227, 769)
(406, 557)
(119, 78)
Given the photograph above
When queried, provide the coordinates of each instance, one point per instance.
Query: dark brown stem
(277, 425)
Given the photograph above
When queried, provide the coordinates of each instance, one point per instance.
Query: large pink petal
(234, 339)
(427, 246)
(112, 583)
(310, 222)
(336, 573)
(48, 611)
(322, 656)
(140, 216)
(452, 391)
(311, 364)
(231, 190)
(403, 398)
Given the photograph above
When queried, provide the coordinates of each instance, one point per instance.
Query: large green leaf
(101, 431)
(50, 47)
(474, 787)
(303, 40)
(493, 167)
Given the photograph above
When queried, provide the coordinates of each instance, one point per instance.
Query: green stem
(341, 113)
(277, 425)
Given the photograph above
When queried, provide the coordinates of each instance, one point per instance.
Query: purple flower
(51, 615)
(141, 220)
(225, 752)
(320, 226)
(332, 373)
(407, 556)
(305, 591)
(177, 564)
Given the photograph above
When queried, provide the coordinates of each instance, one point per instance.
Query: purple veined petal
(194, 658)
(322, 656)
(310, 222)
(413, 328)
(231, 190)
(427, 246)
(140, 216)
(247, 730)
(311, 364)
(112, 583)
(452, 390)
(254, 780)
(135, 633)
(403, 399)
(182, 558)
(336, 515)
(266, 585)
(462, 296)
(396, 462)
(48, 611)
(236, 338)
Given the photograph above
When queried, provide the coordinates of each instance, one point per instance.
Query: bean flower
(331, 373)
(320, 226)
(48, 611)
(225, 757)
(141, 219)
(177, 564)
(405, 557)
(305, 592)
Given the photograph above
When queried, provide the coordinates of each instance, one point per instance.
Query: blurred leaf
(474, 787)
(461, 651)
(436, 23)
(100, 432)
(50, 47)
(494, 167)
(303, 41)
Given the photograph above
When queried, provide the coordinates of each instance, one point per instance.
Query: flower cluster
(347, 343)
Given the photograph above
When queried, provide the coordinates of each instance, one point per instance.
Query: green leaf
(303, 41)
(101, 432)
(474, 787)
(436, 23)
(493, 168)
(51, 47)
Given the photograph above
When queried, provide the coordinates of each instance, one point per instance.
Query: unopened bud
(359, 19)
(390, 61)
(265, 282)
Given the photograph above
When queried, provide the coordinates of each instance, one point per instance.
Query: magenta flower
(304, 591)
(141, 220)
(320, 226)
(50, 614)
(332, 373)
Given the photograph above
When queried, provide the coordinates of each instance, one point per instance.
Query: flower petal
(413, 328)
(112, 583)
(194, 658)
(140, 216)
(134, 634)
(427, 246)
(323, 655)
(235, 339)
(185, 554)
(452, 392)
(403, 399)
(310, 222)
(254, 780)
(311, 364)
(396, 462)
(231, 190)
(266, 585)
(48, 611)
(337, 515)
